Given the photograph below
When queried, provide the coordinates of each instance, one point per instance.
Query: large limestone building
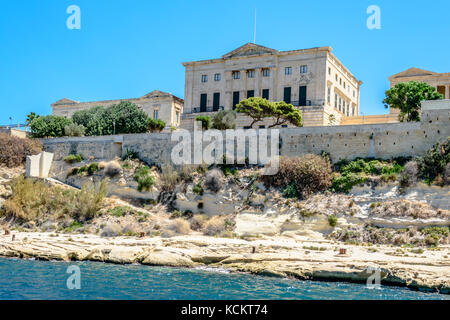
(157, 104)
(313, 80)
(441, 81)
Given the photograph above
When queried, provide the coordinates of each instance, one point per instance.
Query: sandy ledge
(299, 258)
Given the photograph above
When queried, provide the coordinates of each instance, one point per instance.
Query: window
(250, 93)
(155, 114)
(329, 71)
(303, 69)
(353, 93)
(340, 81)
(262, 127)
(287, 95)
(353, 110)
(203, 102)
(251, 73)
(265, 94)
(204, 78)
(302, 96)
(236, 75)
(335, 100)
(340, 104)
(177, 117)
(336, 77)
(343, 106)
(344, 84)
(266, 72)
(329, 95)
(288, 70)
(217, 77)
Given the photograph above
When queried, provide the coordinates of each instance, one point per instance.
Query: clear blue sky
(128, 48)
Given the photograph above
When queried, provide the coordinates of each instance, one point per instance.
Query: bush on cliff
(435, 160)
(49, 126)
(205, 120)
(124, 117)
(307, 174)
(14, 150)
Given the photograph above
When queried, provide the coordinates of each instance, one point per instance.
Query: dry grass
(33, 199)
(180, 226)
(215, 226)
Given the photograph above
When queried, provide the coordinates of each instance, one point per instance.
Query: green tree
(258, 109)
(49, 126)
(331, 119)
(407, 97)
(124, 117)
(31, 117)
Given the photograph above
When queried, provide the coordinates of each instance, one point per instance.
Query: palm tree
(31, 117)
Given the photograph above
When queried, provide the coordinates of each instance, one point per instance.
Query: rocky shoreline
(299, 257)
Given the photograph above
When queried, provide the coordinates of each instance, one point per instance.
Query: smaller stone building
(157, 104)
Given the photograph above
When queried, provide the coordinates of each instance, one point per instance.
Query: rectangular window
(177, 117)
(344, 84)
(343, 106)
(303, 69)
(216, 101)
(353, 110)
(217, 77)
(329, 95)
(156, 114)
(340, 104)
(288, 70)
(353, 93)
(336, 77)
(266, 72)
(329, 71)
(302, 96)
(265, 94)
(204, 78)
(236, 75)
(235, 99)
(250, 93)
(335, 100)
(203, 102)
(251, 73)
(287, 95)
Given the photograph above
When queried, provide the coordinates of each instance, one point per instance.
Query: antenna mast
(254, 31)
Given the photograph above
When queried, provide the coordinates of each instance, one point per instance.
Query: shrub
(434, 162)
(92, 168)
(198, 189)
(49, 126)
(224, 119)
(213, 180)
(214, 226)
(344, 183)
(205, 120)
(198, 221)
(169, 178)
(332, 221)
(143, 178)
(130, 155)
(89, 201)
(74, 130)
(155, 125)
(180, 226)
(290, 191)
(73, 158)
(112, 169)
(409, 175)
(308, 174)
(14, 150)
(447, 174)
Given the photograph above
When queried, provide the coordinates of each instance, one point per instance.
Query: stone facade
(441, 81)
(313, 80)
(156, 104)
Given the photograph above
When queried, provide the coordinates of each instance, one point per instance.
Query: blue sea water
(29, 279)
